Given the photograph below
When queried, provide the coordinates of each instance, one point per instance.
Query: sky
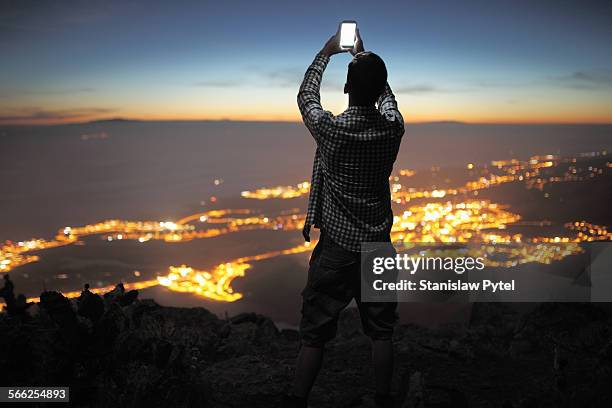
(473, 61)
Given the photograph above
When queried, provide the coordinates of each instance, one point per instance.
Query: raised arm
(387, 106)
(309, 98)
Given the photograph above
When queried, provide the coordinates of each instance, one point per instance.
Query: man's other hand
(332, 46)
(358, 44)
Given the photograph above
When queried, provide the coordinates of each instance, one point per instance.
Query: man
(90, 305)
(8, 291)
(350, 203)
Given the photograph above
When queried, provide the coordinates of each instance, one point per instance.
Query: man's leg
(326, 294)
(378, 318)
(308, 365)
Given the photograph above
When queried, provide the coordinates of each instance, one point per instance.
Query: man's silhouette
(8, 292)
(116, 294)
(350, 203)
(90, 305)
(86, 291)
(21, 306)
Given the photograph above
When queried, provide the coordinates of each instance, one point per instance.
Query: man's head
(366, 78)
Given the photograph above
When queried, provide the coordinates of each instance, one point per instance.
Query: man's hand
(332, 46)
(358, 44)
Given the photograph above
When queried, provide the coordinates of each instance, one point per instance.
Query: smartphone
(347, 33)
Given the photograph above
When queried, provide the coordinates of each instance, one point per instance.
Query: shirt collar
(361, 109)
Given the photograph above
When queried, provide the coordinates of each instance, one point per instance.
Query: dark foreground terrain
(143, 354)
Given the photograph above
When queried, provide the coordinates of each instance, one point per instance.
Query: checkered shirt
(349, 191)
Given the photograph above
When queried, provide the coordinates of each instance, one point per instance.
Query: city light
(279, 192)
(423, 215)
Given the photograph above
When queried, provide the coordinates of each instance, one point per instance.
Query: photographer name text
(450, 285)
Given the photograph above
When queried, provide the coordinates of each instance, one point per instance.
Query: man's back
(356, 150)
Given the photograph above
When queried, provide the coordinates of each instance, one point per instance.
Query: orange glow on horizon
(409, 119)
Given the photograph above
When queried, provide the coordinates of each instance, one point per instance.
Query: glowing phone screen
(347, 35)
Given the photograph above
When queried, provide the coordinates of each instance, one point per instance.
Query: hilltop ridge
(144, 354)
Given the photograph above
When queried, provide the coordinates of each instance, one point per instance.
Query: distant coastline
(450, 122)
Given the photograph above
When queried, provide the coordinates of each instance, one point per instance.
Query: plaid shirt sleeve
(387, 106)
(313, 114)
(309, 98)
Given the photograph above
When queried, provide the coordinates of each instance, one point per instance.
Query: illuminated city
(452, 214)
(279, 192)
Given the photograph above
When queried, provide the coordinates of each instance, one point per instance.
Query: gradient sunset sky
(473, 61)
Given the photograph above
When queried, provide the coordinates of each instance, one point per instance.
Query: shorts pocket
(335, 257)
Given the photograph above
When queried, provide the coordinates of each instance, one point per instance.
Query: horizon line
(407, 123)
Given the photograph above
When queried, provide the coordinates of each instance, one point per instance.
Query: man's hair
(366, 77)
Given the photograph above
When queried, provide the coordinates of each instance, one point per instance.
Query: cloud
(422, 89)
(598, 78)
(51, 92)
(291, 77)
(12, 93)
(41, 115)
(285, 77)
(580, 80)
(416, 89)
(255, 76)
(60, 91)
(586, 80)
(218, 84)
(490, 84)
(50, 16)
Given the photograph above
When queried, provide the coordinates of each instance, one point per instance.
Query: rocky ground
(143, 354)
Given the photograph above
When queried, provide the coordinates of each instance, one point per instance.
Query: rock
(290, 335)
(266, 327)
(605, 355)
(491, 313)
(137, 310)
(225, 330)
(59, 309)
(460, 350)
(266, 330)
(244, 317)
(145, 354)
(519, 347)
(111, 324)
(240, 340)
(91, 307)
(129, 298)
(247, 381)
(416, 397)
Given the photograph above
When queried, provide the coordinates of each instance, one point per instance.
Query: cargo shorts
(334, 279)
